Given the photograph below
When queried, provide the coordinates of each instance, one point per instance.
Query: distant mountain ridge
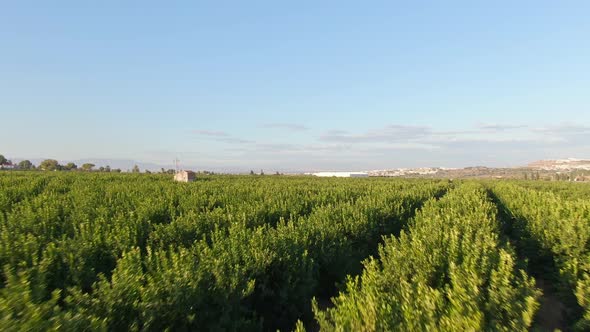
(568, 164)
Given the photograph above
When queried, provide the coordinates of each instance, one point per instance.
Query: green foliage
(139, 252)
(70, 167)
(448, 272)
(49, 165)
(563, 190)
(26, 165)
(22, 303)
(88, 166)
(553, 229)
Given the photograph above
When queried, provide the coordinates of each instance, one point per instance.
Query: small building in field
(342, 174)
(185, 176)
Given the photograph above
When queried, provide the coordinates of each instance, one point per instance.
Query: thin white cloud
(564, 129)
(392, 133)
(337, 132)
(499, 127)
(221, 136)
(408, 146)
(211, 133)
(427, 137)
(234, 140)
(286, 126)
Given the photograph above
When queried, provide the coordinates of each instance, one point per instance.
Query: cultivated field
(119, 252)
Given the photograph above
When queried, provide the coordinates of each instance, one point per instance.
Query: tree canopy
(71, 166)
(26, 165)
(88, 166)
(49, 165)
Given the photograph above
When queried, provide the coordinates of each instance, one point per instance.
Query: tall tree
(49, 165)
(70, 166)
(88, 166)
(26, 165)
(3, 160)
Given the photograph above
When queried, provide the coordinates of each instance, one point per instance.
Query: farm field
(136, 252)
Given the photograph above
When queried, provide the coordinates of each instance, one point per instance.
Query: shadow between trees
(330, 284)
(558, 305)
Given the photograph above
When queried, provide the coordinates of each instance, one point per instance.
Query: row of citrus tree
(131, 252)
(552, 230)
(449, 272)
(566, 190)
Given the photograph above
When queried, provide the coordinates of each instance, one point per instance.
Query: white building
(185, 176)
(342, 174)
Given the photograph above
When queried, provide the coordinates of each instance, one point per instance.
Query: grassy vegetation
(99, 251)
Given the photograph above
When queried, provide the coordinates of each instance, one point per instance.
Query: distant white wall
(342, 174)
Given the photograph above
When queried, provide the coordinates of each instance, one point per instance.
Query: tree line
(54, 165)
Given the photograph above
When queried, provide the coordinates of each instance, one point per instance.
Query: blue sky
(306, 85)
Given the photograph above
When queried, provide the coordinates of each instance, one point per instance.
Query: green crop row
(136, 252)
(552, 229)
(449, 272)
(566, 190)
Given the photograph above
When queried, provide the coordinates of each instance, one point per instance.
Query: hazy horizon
(296, 86)
(128, 164)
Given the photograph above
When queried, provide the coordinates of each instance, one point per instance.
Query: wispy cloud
(337, 132)
(221, 136)
(392, 133)
(234, 140)
(286, 126)
(399, 145)
(499, 127)
(427, 137)
(211, 133)
(565, 129)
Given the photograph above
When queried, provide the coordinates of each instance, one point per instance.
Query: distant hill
(546, 167)
(561, 164)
